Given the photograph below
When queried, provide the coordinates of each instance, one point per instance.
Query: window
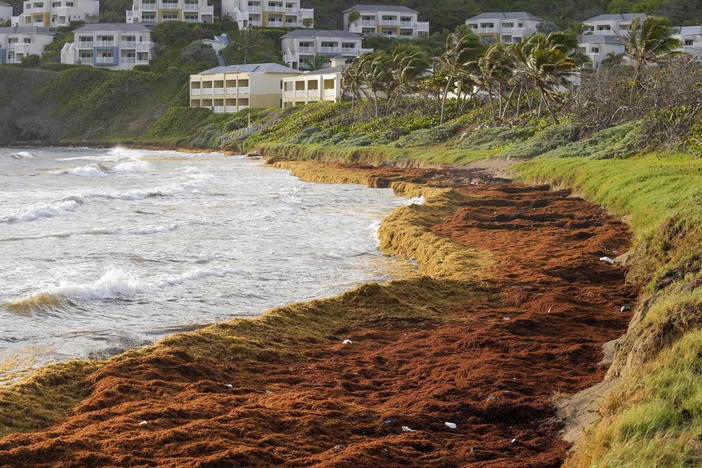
(85, 55)
(348, 45)
(604, 27)
(520, 25)
(330, 45)
(507, 25)
(27, 40)
(595, 50)
(368, 18)
(689, 42)
(473, 25)
(487, 25)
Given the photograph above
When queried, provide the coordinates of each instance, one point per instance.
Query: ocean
(103, 250)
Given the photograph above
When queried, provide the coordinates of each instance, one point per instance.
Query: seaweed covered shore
(457, 366)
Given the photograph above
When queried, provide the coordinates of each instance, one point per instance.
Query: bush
(197, 51)
(174, 34)
(492, 138)
(30, 61)
(430, 136)
(548, 139)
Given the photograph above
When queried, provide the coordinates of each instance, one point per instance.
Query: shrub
(430, 136)
(197, 51)
(548, 139)
(30, 61)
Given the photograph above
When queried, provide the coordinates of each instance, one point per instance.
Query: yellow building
(237, 87)
(315, 86)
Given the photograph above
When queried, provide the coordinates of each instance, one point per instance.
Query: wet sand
(491, 361)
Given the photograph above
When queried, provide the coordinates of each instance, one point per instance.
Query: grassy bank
(654, 415)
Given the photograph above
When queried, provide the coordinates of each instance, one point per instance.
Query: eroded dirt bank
(487, 350)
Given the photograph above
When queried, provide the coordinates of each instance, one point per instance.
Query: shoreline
(443, 260)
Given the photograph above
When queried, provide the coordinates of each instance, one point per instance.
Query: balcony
(191, 7)
(300, 94)
(350, 51)
(104, 43)
(127, 43)
(330, 93)
(206, 91)
(328, 50)
(244, 90)
(305, 50)
(195, 91)
(150, 6)
(105, 60)
(85, 44)
(218, 91)
(390, 23)
(275, 9)
(168, 5)
(254, 9)
(313, 93)
(218, 109)
(369, 23)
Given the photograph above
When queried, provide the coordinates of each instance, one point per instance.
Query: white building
(386, 20)
(268, 13)
(300, 47)
(54, 13)
(315, 86)
(510, 27)
(158, 11)
(598, 47)
(5, 12)
(19, 42)
(611, 25)
(238, 87)
(691, 38)
(115, 46)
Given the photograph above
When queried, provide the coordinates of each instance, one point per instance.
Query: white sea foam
(131, 166)
(114, 284)
(134, 232)
(38, 211)
(91, 170)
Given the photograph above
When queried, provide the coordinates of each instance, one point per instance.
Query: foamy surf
(34, 212)
(91, 170)
(114, 284)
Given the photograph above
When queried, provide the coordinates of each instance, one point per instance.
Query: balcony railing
(105, 60)
(104, 43)
(127, 43)
(206, 91)
(313, 93)
(329, 93)
(329, 50)
(85, 45)
(218, 90)
(191, 6)
(195, 91)
(306, 50)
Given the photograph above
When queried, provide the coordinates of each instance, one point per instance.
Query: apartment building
(237, 87)
(55, 13)
(268, 13)
(385, 20)
(691, 38)
(5, 12)
(599, 47)
(115, 46)
(510, 27)
(612, 25)
(300, 47)
(158, 11)
(315, 86)
(19, 42)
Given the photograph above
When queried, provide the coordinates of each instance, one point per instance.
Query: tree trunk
(492, 105)
(443, 101)
(509, 99)
(550, 108)
(519, 102)
(375, 102)
(541, 103)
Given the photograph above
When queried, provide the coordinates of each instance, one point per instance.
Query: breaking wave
(114, 284)
(51, 210)
(91, 170)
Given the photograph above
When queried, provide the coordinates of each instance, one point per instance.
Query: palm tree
(352, 82)
(248, 41)
(408, 63)
(463, 49)
(375, 69)
(548, 62)
(650, 41)
(496, 68)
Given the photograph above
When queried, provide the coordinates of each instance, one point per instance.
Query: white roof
(250, 68)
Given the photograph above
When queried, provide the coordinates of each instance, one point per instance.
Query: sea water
(102, 250)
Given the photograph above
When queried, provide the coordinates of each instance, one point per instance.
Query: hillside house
(112, 46)
(395, 21)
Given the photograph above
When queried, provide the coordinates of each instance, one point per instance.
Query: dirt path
(493, 368)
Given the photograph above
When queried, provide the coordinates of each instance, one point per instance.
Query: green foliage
(494, 138)
(430, 136)
(200, 53)
(548, 139)
(620, 142)
(178, 122)
(695, 141)
(174, 34)
(30, 61)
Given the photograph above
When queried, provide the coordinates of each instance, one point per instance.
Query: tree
(650, 41)
(375, 68)
(548, 62)
(246, 42)
(352, 82)
(496, 68)
(199, 52)
(463, 49)
(354, 16)
(408, 64)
